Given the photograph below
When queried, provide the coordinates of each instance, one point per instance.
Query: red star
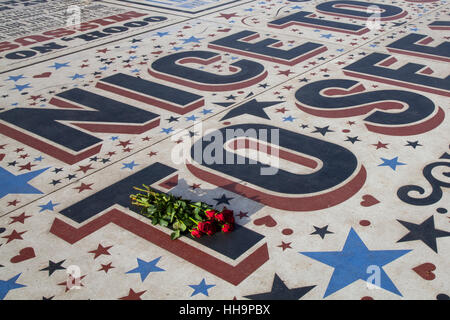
(133, 295)
(146, 139)
(102, 50)
(83, 187)
(13, 203)
(285, 245)
(288, 87)
(73, 282)
(85, 168)
(282, 110)
(227, 15)
(34, 98)
(26, 166)
(106, 267)
(350, 123)
(380, 145)
(152, 153)
(126, 150)
(124, 143)
(100, 250)
(18, 150)
(23, 156)
(14, 236)
(20, 218)
(285, 72)
(242, 214)
(111, 153)
(195, 186)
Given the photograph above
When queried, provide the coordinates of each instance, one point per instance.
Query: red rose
(207, 227)
(228, 216)
(210, 214)
(196, 233)
(220, 217)
(227, 228)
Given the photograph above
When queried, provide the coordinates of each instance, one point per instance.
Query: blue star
(11, 184)
(206, 111)
(8, 285)
(192, 118)
(202, 287)
(166, 130)
(177, 48)
(296, 7)
(15, 78)
(290, 119)
(135, 70)
(114, 138)
(192, 39)
(392, 163)
(353, 262)
(59, 65)
(49, 206)
(130, 165)
(145, 268)
(328, 36)
(77, 76)
(21, 87)
(40, 158)
(162, 34)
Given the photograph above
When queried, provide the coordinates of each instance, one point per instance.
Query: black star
(55, 182)
(223, 199)
(413, 144)
(252, 107)
(57, 170)
(352, 139)
(323, 131)
(49, 298)
(105, 160)
(135, 40)
(52, 267)
(304, 126)
(93, 159)
(425, 232)
(172, 119)
(71, 176)
(12, 163)
(304, 80)
(263, 85)
(321, 231)
(280, 291)
(231, 97)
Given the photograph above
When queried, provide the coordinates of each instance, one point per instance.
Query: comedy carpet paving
(323, 125)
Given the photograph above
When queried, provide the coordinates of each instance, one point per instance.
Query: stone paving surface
(100, 96)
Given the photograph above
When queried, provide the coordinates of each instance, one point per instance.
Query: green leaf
(174, 235)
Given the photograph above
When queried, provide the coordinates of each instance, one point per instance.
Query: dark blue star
(352, 139)
(323, 131)
(202, 287)
(145, 268)
(413, 144)
(280, 291)
(321, 231)
(252, 107)
(353, 262)
(223, 199)
(8, 285)
(11, 184)
(425, 232)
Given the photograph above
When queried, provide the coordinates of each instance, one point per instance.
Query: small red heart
(425, 270)
(43, 75)
(368, 200)
(24, 254)
(267, 221)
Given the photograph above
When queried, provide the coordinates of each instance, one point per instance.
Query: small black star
(55, 182)
(172, 119)
(252, 107)
(280, 291)
(105, 160)
(263, 85)
(323, 131)
(71, 176)
(231, 97)
(304, 80)
(135, 40)
(413, 144)
(49, 298)
(52, 267)
(352, 139)
(321, 231)
(426, 232)
(223, 199)
(304, 126)
(12, 163)
(93, 159)
(57, 170)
